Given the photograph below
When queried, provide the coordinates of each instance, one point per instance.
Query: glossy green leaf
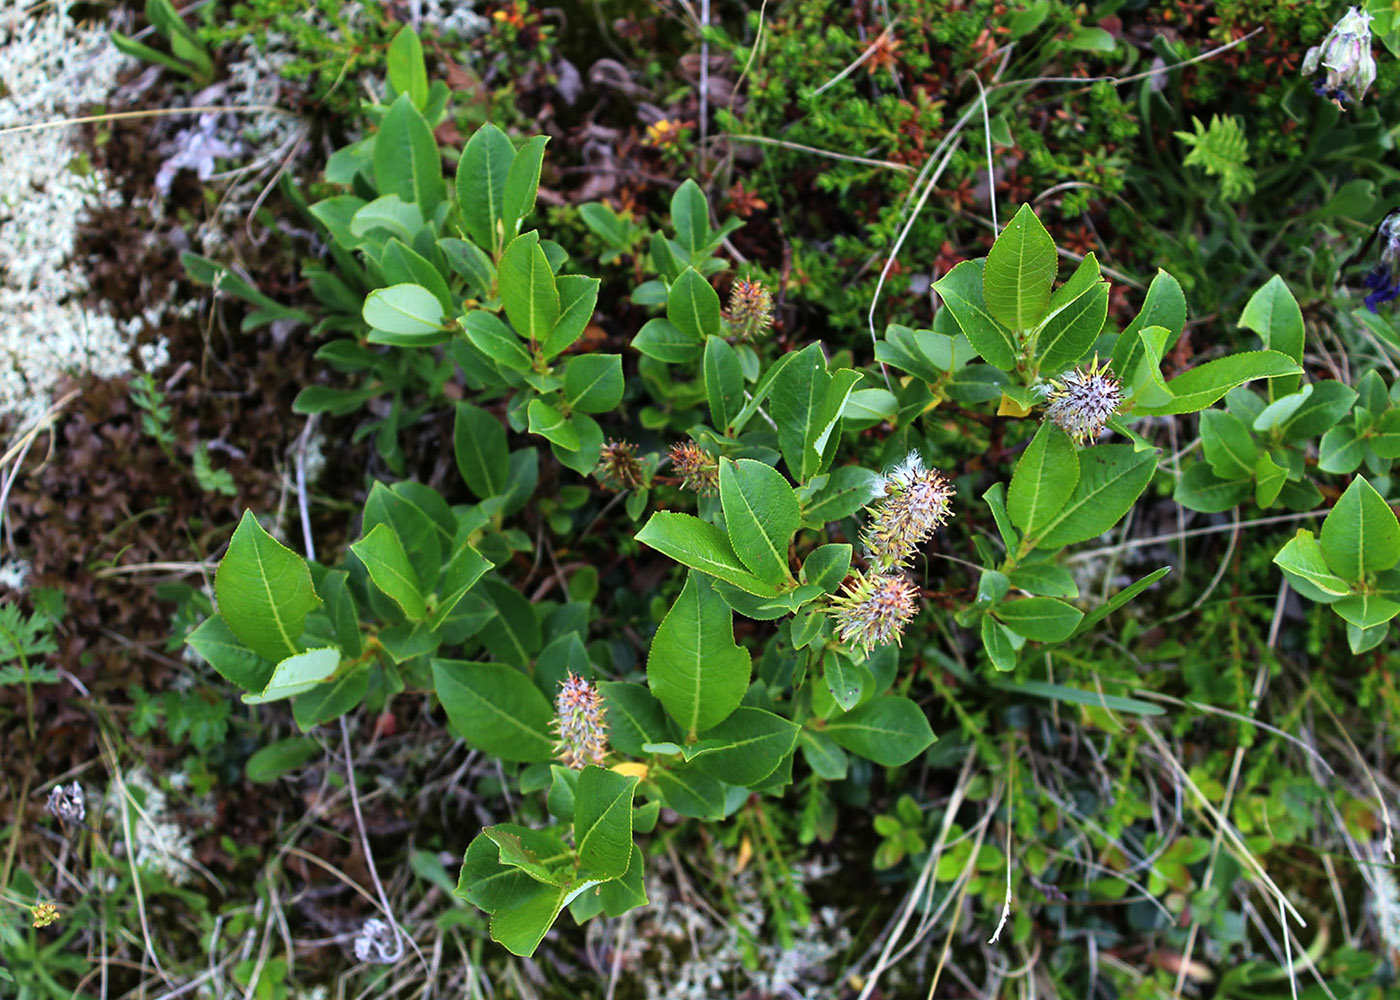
(754, 744)
(693, 306)
(691, 216)
(296, 675)
(997, 641)
(1043, 480)
(479, 445)
(761, 514)
(827, 565)
(889, 731)
(1273, 313)
(635, 717)
(1341, 450)
(961, 291)
(843, 679)
(522, 183)
(1229, 447)
(694, 668)
(495, 708)
(528, 291)
(593, 382)
(552, 425)
(603, 822)
(703, 547)
(1111, 478)
(481, 186)
(1043, 619)
(513, 633)
(1360, 536)
(406, 160)
(264, 591)
(1164, 306)
(227, 654)
(724, 382)
(663, 340)
(404, 311)
(384, 556)
(578, 297)
(1078, 309)
(496, 340)
(1202, 490)
(407, 72)
(1020, 270)
(1203, 385)
(270, 762)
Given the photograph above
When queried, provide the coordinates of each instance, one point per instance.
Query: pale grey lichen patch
(51, 69)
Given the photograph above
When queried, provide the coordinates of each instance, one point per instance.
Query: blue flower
(1383, 279)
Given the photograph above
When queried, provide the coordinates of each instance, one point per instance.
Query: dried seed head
(580, 721)
(698, 471)
(67, 803)
(873, 609)
(913, 503)
(618, 468)
(750, 308)
(1082, 400)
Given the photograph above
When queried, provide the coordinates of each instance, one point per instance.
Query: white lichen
(51, 69)
(158, 843)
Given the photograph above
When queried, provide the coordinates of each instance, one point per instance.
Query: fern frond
(1221, 151)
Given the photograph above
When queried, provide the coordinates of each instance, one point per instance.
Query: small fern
(1222, 151)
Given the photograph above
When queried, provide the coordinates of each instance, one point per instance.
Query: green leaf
(552, 425)
(1044, 580)
(410, 314)
(844, 679)
(806, 404)
(578, 297)
(1341, 450)
(924, 354)
(703, 547)
(603, 822)
(1111, 478)
(276, 759)
(827, 565)
(227, 654)
(330, 700)
(522, 909)
(845, 491)
(1119, 599)
(961, 291)
(1366, 611)
(495, 340)
(1203, 385)
(1020, 270)
(889, 731)
(401, 264)
(1043, 619)
(635, 717)
(461, 573)
(406, 160)
(691, 216)
(693, 306)
(1078, 309)
(689, 791)
(1273, 313)
(583, 458)
(826, 759)
(593, 382)
(663, 340)
(761, 514)
(513, 633)
(628, 892)
(481, 186)
(754, 744)
(296, 675)
(1360, 536)
(495, 708)
(997, 640)
(1322, 408)
(483, 456)
(384, 556)
(1043, 480)
(1164, 306)
(264, 591)
(869, 407)
(724, 382)
(1228, 445)
(407, 73)
(694, 668)
(1201, 489)
(522, 183)
(995, 498)
(528, 291)
(421, 519)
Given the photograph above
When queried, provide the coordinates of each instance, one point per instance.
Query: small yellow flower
(663, 133)
(44, 914)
